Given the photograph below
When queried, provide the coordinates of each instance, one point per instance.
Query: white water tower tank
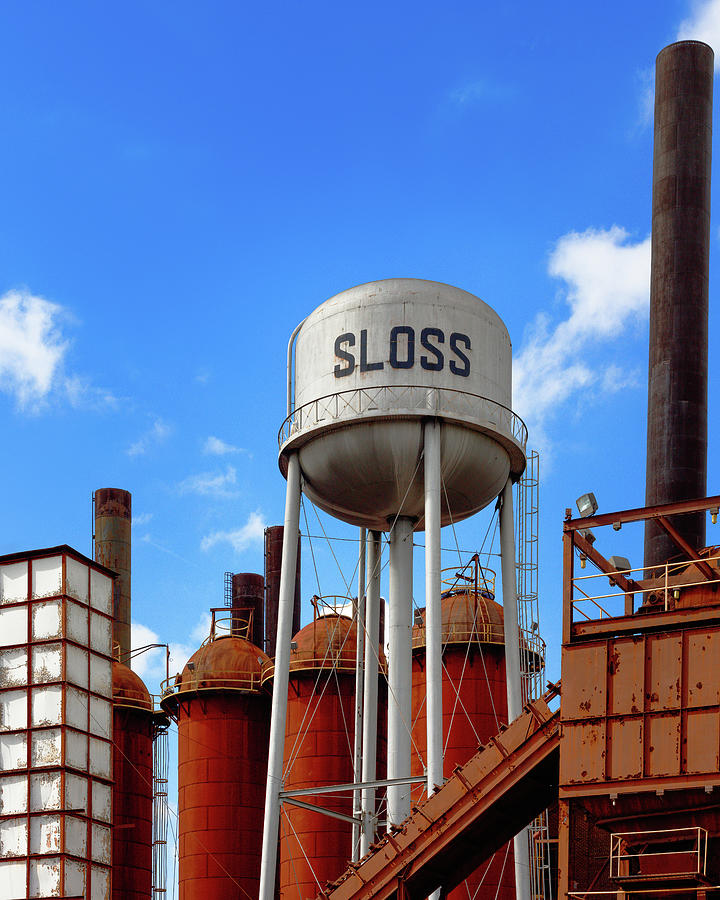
(371, 365)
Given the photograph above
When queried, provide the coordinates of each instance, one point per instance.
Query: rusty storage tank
(474, 696)
(315, 848)
(223, 719)
(133, 788)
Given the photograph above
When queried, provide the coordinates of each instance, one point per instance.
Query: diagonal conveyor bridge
(499, 791)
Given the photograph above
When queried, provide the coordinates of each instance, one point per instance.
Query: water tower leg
(359, 683)
(433, 614)
(370, 701)
(433, 611)
(271, 821)
(512, 664)
(400, 667)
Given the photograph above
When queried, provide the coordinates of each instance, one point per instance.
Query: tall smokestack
(113, 521)
(677, 380)
(273, 564)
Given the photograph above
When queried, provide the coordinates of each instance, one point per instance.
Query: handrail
(661, 583)
(372, 402)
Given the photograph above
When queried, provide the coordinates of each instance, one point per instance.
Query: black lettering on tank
(349, 339)
(409, 360)
(457, 338)
(365, 366)
(432, 365)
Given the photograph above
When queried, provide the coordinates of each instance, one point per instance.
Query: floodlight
(587, 534)
(620, 563)
(587, 505)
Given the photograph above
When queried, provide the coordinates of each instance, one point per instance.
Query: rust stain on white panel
(45, 748)
(13, 710)
(47, 577)
(46, 663)
(13, 667)
(13, 582)
(45, 791)
(101, 592)
(76, 579)
(13, 794)
(46, 620)
(13, 751)
(13, 837)
(13, 625)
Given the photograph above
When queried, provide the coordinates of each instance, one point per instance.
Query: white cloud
(241, 538)
(83, 395)
(703, 24)
(151, 665)
(32, 347)
(214, 446)
(606, 280)
(142, 519)
(158, 432)
(211, 484)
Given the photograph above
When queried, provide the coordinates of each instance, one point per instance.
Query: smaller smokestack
(113, 523)
(248, 594)
(273, 565)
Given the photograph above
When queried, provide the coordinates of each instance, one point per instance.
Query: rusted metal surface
(640, 748)
(113, 525)
(486, 801)
(313, 846)
(474, 709)
(273, 562)
(677, 381)
(248, 593)
(223, 719)
(133, 787)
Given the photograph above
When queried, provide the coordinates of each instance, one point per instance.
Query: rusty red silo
(474, 698)
(223, 719)
(315, 848)
(133, 788)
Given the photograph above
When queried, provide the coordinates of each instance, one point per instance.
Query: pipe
(400, 668)
(291, 370)
(370, 699)
(112, 539)
(433, 609)
(359, 681)
(512, 664)
(271, 821)
(678, 360)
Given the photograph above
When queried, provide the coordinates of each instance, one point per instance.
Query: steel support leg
(370, 701)
(359, 686)
(400, 667)
(271, 821)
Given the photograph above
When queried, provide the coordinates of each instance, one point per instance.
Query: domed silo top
(226, 663)
(328, 642)
(467, 617)
(371, 365)
(128, 688)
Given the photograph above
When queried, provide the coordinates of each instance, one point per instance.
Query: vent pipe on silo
(273, 564)
(248, 594)
(113, 523)
(678, 370)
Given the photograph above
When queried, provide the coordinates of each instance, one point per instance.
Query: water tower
(399, 420)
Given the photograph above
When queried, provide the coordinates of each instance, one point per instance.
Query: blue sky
(183, 183)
